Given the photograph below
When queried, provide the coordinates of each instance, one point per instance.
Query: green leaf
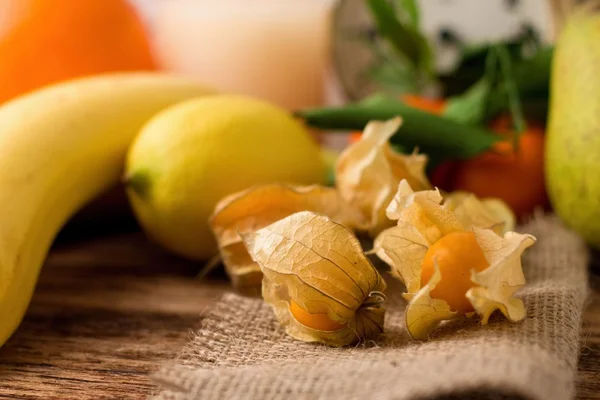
(391, 78)
(410, 9)
(404, 39)
(401, 44)
(532, 75)
(390, 73)
(512, 92)
(525, 49)
(469, 108)
(532, 79)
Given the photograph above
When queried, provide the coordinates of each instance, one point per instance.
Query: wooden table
(108, 311)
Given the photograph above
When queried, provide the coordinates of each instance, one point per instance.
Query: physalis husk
(495, 213)
(368, 173)
(317, 279)
(259, 206)
(451, 266)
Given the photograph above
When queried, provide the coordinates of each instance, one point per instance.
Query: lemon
(191, 155)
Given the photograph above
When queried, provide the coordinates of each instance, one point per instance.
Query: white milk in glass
(276, 50)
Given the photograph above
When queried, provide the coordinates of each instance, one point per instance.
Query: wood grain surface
(107, 312)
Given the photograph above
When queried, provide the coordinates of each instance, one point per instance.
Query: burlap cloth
(241, 353)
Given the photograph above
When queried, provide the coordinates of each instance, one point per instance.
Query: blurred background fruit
(193, 154)
(512, 170)
(46, 41)
(573, 148)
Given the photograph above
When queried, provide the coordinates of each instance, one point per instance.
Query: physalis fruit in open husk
(317, 279)
(259, 206)
(368, 173)
(451, 266)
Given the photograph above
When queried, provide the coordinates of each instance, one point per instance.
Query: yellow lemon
(191, 155)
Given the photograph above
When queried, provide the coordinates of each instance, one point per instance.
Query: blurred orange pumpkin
(46, 41)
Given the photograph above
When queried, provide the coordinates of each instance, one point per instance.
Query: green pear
(573, 139)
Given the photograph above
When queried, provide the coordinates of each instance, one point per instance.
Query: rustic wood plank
(105, 314)
(108, 311)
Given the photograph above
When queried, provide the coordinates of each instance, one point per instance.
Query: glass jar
(271, 49)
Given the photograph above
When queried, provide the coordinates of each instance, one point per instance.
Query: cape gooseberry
(456, 255)
(319, 322)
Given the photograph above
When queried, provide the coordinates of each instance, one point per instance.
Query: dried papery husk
(403, 248)
(490, 213)
(368, 173)
(424, 313)
(260, 206)
(423, 210)
(423, 219)
(498, 283)
(319, 264)
(244, 273)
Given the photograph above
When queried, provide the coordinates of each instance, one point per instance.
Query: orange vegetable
(319, 322)
(46, 41)
(431, 105)
(456, 255)
(514, 175)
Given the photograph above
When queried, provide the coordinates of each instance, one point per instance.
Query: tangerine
(47, 41)
(513, 174)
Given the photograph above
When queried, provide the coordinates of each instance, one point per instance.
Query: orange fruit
(46, 41)
(319, 322)
(513, 175)
(457, 254)
(428, 104)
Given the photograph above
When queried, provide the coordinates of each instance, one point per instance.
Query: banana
(59, 148)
